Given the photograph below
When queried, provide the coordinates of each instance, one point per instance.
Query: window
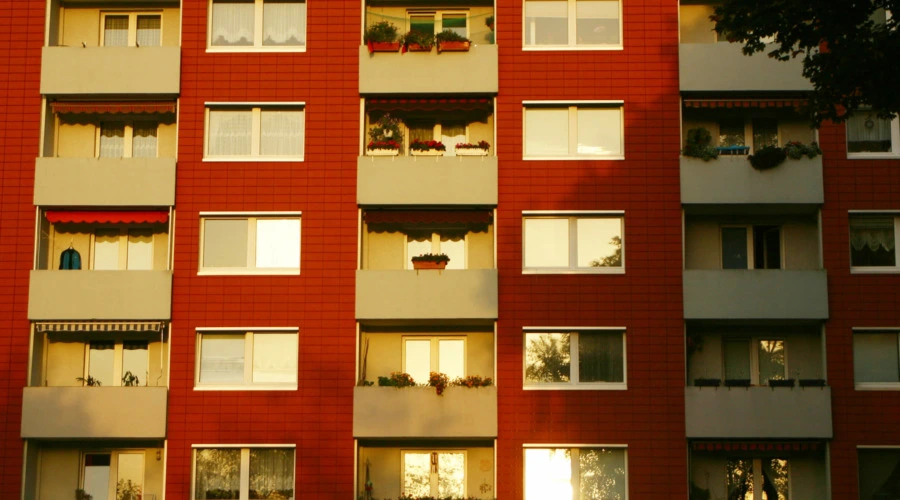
(127, 140)
(582, 131)
(873, 242)
(262, 358)
(579, 473)
(757, 478)
(450, 134)
(878, 469)
(876, 359)
(451, 243)
(422, 355)
(243, 243)
(439, 474)
(122, 248)
(257, 25)
(734, 133)
(272, 132)
(577, 243)
(257, 472)
(117, 363)
(871, 136)
(755, 359)
(751, 247)
(132, 29)
(435, 22)
(113, 475)
(587, 24)
(577, 358)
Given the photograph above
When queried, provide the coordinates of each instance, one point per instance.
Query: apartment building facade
(211, 209)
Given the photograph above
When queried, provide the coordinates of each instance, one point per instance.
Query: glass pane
(100, 363)
(112, 140)
(601, 357)
(284, 23)
(115, 31)
(599, 132)
(602, 473)
(455, 248)
(278, 243)
(418, 245)
(872, 241)
(547, 357)
(451, 474)
(546, 22)
(225, 243)
(416, 474)
(281, 133)
(866, 133)
(775, 479)
(272, 473)
(766, 247)
(875, 357)
(423, 23)
(546, 242)
(455, 23)
(548, 474)
(451, 135)
(546, 131)
(765, 133)
(96, 475)
(771, 360)
(731, 132)
(106, 249)
(140, 249)
(217, 474)
(230, 133)
(221, 359)
(737, 359)
(877, 468)
(135, 363)
(599, 242)
(739, 478)
(451, 357)
(130, 478)
(232, 23)
(275, 358)
(143, 142)
(597, 22)
(734, 248)
(148, 31)
(418, 359)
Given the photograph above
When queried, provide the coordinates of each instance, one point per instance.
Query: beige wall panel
(385, 351)
(795, 130)
(456, 294)
(171, 25)
(480, 354)
(65, 362)
(481, 250)
(755, 294)
(706, 363)
(153, 473)
(167, 137)
(74, 295)
(419, 412)
(111, 182)
(801, 245)
(94, 412)
(76, 140)
(385, 250)
(804, 351)
(483, 132)
(59, 473)
(73, 70)
(159, 364)
(702, 245)
(80, 26)
(410, 180)
(695, 24)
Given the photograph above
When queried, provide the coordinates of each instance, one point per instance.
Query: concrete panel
(94, 412)
(755, 294)
(758, 412)
(104, 182)
(722, 66)
(418, 412)
(110, 70)
(74, 295)
(429, 72)
(431, 294)
(731, 180)
(417, 180)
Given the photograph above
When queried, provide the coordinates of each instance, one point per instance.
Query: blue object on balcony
(733, 150)
(70, 259)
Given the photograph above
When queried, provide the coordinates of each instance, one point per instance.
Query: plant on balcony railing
(489, 22)
(473, 381)
(796, 150)
(451, 41)
(439, 381)
(698, 145)
(767, 157)
(397, 379)
(427, 148)
(707, 382)
(385, 138)
(130, 380)
(382, 37)
(786, 382)
(89, 381)
(812, 382)
(430, 261)
(417, 41)
(468, 149)
(80, 494)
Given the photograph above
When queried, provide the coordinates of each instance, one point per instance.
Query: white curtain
(451, 135)
(115, 32)
(275, 358)
(867, 132)
(232, 23)
(230, 133)
(112, 140)
(148, 31)
(281, 133)
(876, 233)
(143, 142)
(217, 471)
(284, 23)
(272, 473)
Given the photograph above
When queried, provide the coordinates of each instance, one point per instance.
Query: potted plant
(767, 157)
(430, 261)
(417, 41)
(796, 150)
(737, 382)
(382, 37)
(697, 145)
(707, 382)
(473, 381)
(489, 22)
(451, 41)
(787, 382)
(812, 382)
(439, 381)
(427, 148)
(385, 138)
(397, 379)
(469, 149)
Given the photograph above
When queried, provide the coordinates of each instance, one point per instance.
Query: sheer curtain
(232, 23)
(868, 133)
(143, 141)
(217, 473)
(281, 133)
(271, 473)
(230, 133)
(115, 31)
(600, 357)
(451, 135)
(148, 31)
(112, 140)
(874, 233)
(284, 23)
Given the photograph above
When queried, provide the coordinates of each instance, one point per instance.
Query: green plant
(489, 22)
(468, 145)
(450, 36)
(418, 145)
(473, 381)
(89, 381)
(439, 381)
(698, 145)
(81, 495)
(767, 157)
(130, 380)
(385, 133)
(416, 37)
(796, 150)
(431, 257)
(397, 379)
(382, 31)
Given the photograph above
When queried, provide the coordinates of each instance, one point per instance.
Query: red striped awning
(107, 217)
(758, 446)
(481, 217)
(114, 108)
(744, 103)
(482, 104)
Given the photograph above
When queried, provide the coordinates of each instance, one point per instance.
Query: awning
(744, 103)
(482, 104)
(107, 217)
(99, 326)
(115, 108)
(413, 217)
(782, 446)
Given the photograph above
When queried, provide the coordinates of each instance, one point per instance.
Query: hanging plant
(767, 157)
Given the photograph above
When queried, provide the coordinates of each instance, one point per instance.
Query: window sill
(877, 386)
(875, 270)
(257, 159)
(620, 270)
(544, 48)
(574, 158)
(578, 387)
(245, 387)
(253, 49)
(873, 156)
(248, 272)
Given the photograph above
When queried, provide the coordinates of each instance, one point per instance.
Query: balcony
(412, 180)
(110, 70)
(731, 180)
(723, 67)
(446, 294)
(418, 412)
(755, 294)
(84, 295)
(104, 182)
(474, 71)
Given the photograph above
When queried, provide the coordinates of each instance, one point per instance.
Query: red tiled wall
(21, 38)
(647, 299)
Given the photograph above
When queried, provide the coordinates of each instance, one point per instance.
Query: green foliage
(698, 145)
(614, 259)
(796, 150)
(385, 133)
(431, 257)
(130, 380)
(473, 381)
(548, 358)
(767, 157)
(418, 38)
(89, 381)
(450, 36)
(397, 379)
(382, 31)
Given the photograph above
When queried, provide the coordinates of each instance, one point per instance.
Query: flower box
(812, 382)
(453, 46)
(429, 264)
(426, 152)
(471, 152)
(415, 47)
(382, 152)
(384, 46)
(788, 382)
(737, 382)
(707, 382)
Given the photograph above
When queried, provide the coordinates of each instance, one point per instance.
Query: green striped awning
(99, 326)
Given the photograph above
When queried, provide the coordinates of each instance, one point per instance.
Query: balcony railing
(474, 71)
(104, 182)
(110, 70)
(755, 294)
(432, 294)
(731, 180)
(723, 67)
(83, 295)
(411, 180)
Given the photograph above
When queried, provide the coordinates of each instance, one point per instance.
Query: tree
(849, 49)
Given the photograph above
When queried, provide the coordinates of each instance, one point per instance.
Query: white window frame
(438, 18)
(573, 107)
(251, 218)
(132, 24)
(571, 43)
(247, 333)
(434, 477)
(574, 384)
(128, 149)
(573, 217)
(257, 33)
(124, 238)
(876, 386)
(435, 353)
(574, 448)
(876, 269)
(753, 345)
(118, 362)
(895, 143)
(751, 253)
(255, 110)
(113, 468)
(245, 464)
